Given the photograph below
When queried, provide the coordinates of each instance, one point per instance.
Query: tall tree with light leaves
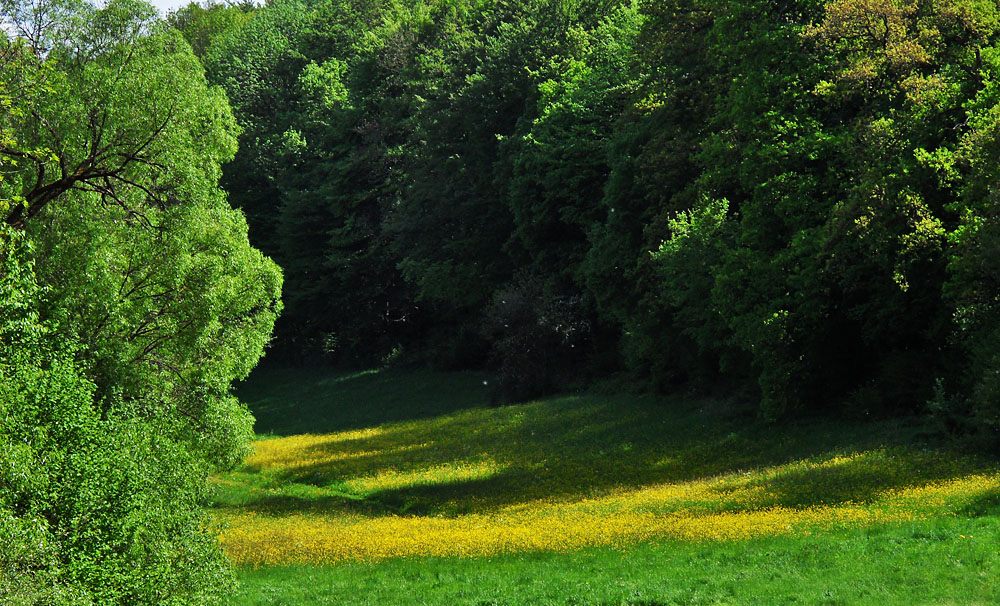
(147, 293)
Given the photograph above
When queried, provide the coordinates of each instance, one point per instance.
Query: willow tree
(145, 302)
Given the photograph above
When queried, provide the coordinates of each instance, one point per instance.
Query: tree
(141, 252)
(129, 301)
(257, 66)
(100, 107)
(201, 24)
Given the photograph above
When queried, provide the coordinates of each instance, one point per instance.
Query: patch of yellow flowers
(257, 539)
(795, 498)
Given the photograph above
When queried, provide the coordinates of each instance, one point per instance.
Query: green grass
(289, 401)
(943, 562)
(561, 450)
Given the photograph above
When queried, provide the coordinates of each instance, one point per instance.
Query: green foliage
(698, 241)
(831, 280)
(97, 506)
(201, 24)
(120, 144)
(169, 315)
(99, 114)
(130, 299)
(407, 162)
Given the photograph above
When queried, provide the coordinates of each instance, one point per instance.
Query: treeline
(796, 200)
(130, 299)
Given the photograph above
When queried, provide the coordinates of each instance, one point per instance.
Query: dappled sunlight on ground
(569, 473)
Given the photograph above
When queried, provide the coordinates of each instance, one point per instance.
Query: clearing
(402, 487)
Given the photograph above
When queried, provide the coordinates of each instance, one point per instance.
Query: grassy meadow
(401, 487)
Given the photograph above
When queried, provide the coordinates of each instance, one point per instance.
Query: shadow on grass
(986, 505)
(291, 401)
(280, 505)
(561, 448)
(860, 478)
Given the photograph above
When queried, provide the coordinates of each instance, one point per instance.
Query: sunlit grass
(576, 472)
(312, 538)
(941, 561)
(722, 509)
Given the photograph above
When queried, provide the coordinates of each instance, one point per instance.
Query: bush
(96, 505)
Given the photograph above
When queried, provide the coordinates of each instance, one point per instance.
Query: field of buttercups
(569, 473)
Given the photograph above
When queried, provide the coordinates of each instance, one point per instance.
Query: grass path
(411, 472)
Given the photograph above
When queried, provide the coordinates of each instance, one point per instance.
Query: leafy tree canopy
(130, 300)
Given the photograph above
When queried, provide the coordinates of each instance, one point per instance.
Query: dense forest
(794, 200)
(794, 204)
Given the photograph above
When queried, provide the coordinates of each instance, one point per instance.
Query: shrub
(97, 506)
